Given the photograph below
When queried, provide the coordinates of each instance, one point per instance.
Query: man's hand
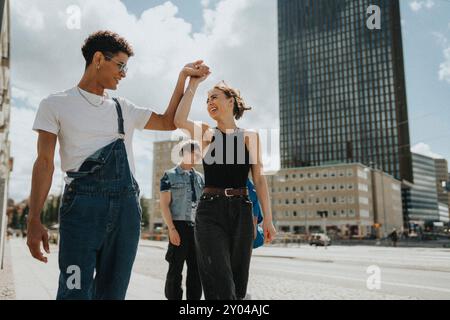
(35, 234)
(269, 231)
(195, 81)
(174, 237)
(195, 69)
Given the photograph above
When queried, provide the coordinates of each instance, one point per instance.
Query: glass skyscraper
(420, 203)
(342, 86)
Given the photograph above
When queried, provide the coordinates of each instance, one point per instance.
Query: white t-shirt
(83, 128)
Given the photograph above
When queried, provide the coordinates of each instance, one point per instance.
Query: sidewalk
(34, 280)
(6, 278)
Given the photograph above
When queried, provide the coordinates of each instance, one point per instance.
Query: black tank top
(227, 162)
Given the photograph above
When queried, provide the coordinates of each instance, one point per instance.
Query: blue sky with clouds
(426, 28)
(238, 38)
(189, 10)
(426, 36)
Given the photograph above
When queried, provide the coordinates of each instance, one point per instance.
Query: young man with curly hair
(100, 214)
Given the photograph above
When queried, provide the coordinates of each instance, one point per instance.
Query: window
(363, 200)
(362, 174)
(363, 187)
(364, 213)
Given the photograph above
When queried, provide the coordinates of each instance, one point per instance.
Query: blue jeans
(100, 219)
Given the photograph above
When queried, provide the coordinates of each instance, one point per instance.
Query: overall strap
(120, 117)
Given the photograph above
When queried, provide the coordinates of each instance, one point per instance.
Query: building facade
(350, 200)
(421, 201)
(443, 213)
(342, 86)
(442, 181)
(5, 109)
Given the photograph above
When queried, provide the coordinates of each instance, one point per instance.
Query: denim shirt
(181, 193)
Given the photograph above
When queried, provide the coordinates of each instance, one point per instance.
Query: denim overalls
(100, 219)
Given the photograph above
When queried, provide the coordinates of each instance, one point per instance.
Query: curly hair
(239, 104)
(105, 41)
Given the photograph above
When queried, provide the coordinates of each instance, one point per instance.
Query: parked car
(319, 239)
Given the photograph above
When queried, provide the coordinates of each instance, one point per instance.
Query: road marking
(395, 284)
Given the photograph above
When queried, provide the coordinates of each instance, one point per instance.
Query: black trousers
(224, 240)
(176, 256)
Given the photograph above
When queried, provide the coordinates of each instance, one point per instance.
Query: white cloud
(440, 38)
(418, 5)
(239, 42)
(23, 150)
(205, 3)
(424, 149)
(444, 68)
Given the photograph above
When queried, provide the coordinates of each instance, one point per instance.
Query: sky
(236, 38)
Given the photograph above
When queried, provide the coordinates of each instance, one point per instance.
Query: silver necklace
(87, 100)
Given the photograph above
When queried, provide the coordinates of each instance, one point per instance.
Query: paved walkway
(34, 280)
(7, 291)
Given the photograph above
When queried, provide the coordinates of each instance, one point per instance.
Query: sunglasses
(122, 66)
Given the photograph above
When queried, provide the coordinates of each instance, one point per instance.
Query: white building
(5, 160)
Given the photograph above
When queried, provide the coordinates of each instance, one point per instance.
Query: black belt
(229, 192)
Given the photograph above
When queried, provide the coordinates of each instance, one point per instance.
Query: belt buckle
(226, 192)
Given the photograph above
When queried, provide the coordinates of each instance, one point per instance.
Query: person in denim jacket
(180, 192)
